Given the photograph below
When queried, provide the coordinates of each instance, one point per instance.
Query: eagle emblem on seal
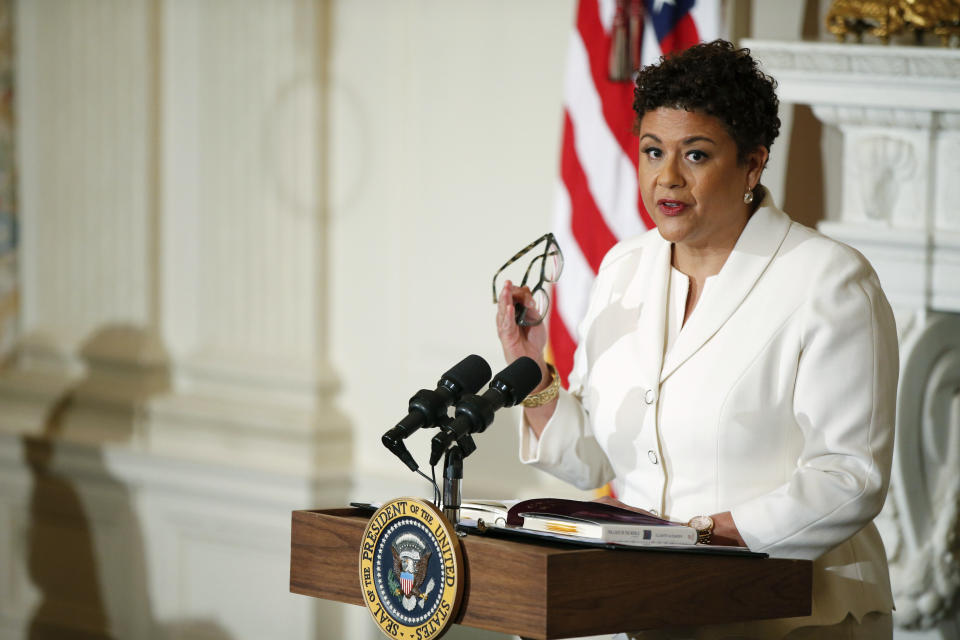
(410, 561)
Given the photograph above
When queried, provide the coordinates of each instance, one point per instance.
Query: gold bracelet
(548, 394)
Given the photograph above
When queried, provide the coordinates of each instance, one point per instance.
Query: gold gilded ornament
(880, 18)
(886, 18)
(941, 17)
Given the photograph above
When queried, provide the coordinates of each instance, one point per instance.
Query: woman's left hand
(725, 533)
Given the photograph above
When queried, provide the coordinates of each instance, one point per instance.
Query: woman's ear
(756, 161)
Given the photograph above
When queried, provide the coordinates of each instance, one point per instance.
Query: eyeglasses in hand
(546, 266)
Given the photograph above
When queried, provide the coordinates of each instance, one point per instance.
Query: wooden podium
(543, 590)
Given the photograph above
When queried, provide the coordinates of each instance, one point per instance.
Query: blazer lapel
(650, 287)
(755, 248)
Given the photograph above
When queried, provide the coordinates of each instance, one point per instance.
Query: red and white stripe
(597, 199)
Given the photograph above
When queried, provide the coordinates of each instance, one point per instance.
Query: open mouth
(671, 207)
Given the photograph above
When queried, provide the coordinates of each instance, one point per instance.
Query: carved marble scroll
(920, 523)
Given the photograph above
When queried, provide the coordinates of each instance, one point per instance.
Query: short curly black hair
(717, 79)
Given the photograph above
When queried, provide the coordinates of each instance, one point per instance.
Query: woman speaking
(735, 370)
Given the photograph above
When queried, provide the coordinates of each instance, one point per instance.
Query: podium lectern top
(542, 590)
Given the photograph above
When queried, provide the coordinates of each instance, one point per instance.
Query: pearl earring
(748, 197)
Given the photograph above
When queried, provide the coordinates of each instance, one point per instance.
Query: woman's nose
(669, 175)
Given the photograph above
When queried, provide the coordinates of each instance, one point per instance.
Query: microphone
(427, 408)
(475, 413)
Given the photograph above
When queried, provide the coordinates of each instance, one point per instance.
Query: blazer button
(650, 396)
(653, 456)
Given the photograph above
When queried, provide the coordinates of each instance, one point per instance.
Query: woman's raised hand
(519, 341)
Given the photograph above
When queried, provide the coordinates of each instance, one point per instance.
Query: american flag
(597, 199)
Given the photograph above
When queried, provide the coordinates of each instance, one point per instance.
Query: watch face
(701, 523)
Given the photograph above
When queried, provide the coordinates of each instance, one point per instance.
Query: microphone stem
(452, 479)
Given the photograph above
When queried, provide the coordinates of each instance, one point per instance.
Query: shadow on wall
(85, 549)
(804, 197)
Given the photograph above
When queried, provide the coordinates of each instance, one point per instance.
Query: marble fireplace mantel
(888, 77)
(898, 112)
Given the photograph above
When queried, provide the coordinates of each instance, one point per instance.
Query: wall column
(171, 395)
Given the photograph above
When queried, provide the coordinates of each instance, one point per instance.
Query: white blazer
(775, 402)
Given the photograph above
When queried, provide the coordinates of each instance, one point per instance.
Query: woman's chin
(671, 232)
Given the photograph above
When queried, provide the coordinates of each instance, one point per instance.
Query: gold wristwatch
(704, 528)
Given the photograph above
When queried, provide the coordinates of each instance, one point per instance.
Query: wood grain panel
(324, 554)
(648, 590)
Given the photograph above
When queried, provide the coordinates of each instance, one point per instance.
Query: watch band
(704, 528)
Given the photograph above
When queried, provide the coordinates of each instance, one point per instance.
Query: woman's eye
(697, 156)
(652, 153)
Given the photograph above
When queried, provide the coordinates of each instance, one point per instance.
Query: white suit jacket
(775, 402)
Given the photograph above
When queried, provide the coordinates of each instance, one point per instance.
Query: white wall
(445, 131)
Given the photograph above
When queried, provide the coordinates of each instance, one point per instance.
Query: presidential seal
(411, 570)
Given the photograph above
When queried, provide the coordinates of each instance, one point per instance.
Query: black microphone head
(518, 380)
(469, 375)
